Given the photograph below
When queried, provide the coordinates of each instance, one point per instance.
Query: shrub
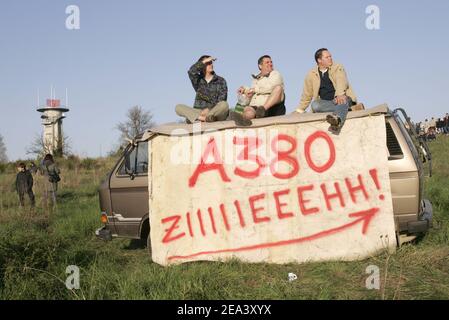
(89, 164)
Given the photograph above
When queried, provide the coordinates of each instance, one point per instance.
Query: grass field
(36, 248)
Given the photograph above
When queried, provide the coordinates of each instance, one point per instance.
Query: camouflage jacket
(49, 170)
(207, 94)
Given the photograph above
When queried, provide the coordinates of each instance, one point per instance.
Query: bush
(72, 162)
(89, 164)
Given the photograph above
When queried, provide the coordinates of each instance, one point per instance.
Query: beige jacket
(263, 86)
(311, 88)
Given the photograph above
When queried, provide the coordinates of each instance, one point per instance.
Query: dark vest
(327, 90)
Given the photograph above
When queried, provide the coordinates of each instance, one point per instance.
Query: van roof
(181, 129)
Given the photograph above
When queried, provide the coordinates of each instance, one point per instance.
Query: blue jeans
(340, 110)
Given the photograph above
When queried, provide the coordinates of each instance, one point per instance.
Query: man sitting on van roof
(266, 94)
(211, 93)
(328, 87)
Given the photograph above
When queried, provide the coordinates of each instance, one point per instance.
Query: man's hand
(340, 99)
(204, 112)
(241, 90)
(250, 93)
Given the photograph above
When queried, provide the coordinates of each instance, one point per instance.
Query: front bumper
(424, 222)
(104, 233)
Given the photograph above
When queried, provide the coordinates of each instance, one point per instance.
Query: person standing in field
(50, 172)
(24, 185)
(446, 123)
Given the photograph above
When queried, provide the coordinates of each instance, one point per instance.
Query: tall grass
(36, 247)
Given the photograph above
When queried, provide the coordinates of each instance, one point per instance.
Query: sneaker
(335, 123)
(239, 119)
(260, 112)
(333, 120)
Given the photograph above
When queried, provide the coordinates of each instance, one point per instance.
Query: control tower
(52, 115)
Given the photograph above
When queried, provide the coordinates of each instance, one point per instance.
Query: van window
(136, 160)
(142, 158)
(394, 149)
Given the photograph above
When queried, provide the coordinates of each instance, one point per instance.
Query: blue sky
(137, 53)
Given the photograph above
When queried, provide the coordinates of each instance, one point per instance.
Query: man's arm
(223, 94)
(195, 74)
(275, 79)
(341, 80)
(307, 95)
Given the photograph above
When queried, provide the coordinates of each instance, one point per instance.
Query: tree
(38, 147)
(138, 122)
(3, 156)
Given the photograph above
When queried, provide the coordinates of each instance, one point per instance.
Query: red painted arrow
(364, 216)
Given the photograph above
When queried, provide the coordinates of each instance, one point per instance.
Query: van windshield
(136, 160)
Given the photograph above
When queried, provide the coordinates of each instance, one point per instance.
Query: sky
(128, 53)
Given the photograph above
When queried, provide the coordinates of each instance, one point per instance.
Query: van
(124, 193)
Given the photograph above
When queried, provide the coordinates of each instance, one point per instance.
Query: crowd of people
(430, 128)
(326, 89)
(48, 174)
